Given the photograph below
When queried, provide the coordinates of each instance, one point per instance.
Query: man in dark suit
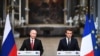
(69, 43)
(32, 43)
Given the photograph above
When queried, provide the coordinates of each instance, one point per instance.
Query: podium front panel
(28, 53)
(68, 53)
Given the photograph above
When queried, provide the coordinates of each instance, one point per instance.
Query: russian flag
(8, 47)
(87, 44)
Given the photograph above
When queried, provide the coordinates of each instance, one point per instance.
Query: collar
(67, 38)
(32, 39)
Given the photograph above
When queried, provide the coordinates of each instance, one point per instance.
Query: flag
(89, 45)
(95, 42)
(86, 45)
(8, 47)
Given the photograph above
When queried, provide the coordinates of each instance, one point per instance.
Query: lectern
(68, 53)
(28, 53)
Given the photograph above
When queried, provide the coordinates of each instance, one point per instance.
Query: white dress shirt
(31, 40)
(68, 40)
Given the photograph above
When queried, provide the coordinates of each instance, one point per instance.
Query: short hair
(32, 29)
(69, 29)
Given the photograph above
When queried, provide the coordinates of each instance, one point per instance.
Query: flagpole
(88, 9)
(12, 18)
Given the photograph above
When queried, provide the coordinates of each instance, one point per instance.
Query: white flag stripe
(7, 29)
(86, 45)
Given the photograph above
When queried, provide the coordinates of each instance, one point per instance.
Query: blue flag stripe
(87, 26)
(8, 44)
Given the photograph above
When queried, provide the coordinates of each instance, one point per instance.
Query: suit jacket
(63, 45)
(37, 45)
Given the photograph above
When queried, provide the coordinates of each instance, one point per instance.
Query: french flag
(87, 44)
(8, 47)
(90, 45)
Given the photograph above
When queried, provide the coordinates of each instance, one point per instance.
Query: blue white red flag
(90, 45)
(8, 47)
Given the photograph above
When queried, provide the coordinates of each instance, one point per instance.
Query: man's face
(68, 34)
(33, 34)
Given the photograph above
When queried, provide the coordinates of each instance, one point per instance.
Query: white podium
(28, 53)
(68, 53)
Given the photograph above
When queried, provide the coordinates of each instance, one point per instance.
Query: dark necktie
(32, 44)
(69, 42)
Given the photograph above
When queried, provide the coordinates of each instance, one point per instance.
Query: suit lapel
(35, 41)
(29, 44)
(65, 41)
